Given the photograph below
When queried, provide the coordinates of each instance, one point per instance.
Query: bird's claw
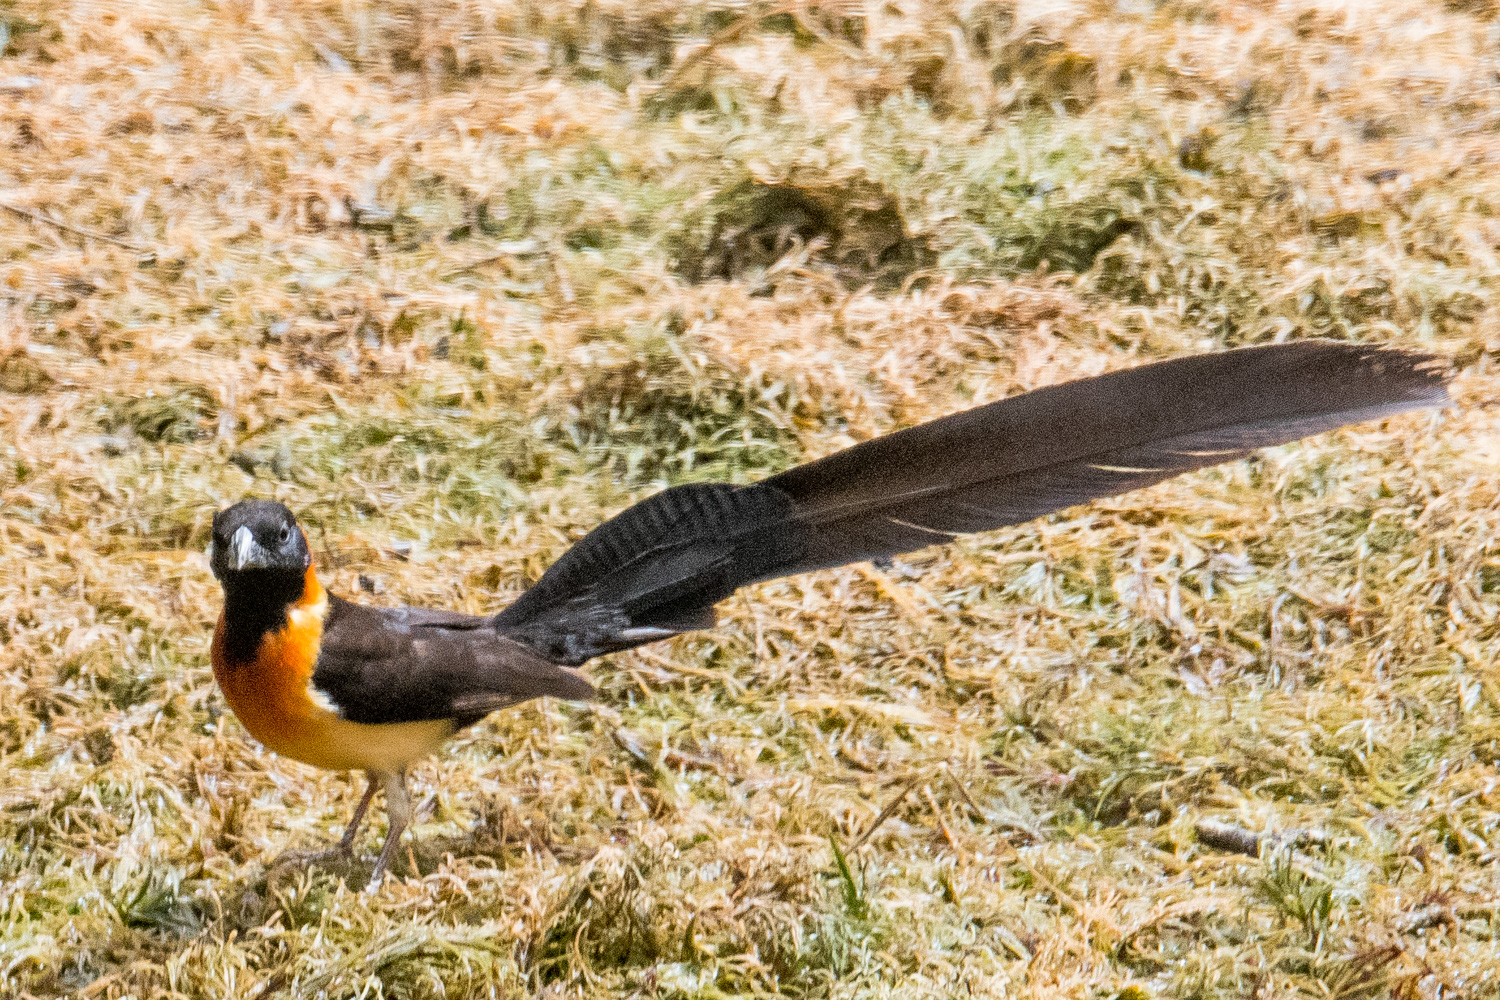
(340, 855)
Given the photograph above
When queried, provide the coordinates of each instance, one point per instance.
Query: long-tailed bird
(345, 686)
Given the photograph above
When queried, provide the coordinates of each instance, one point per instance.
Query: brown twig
(942, 823)
(723, 36)
(734, 686)
(964, 793)
(886, 813)
(1229, 837)
(67, 227)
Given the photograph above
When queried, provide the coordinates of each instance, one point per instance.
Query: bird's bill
(245, 552)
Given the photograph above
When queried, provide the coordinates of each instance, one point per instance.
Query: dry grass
(456, 279)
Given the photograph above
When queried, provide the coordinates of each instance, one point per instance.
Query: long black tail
(659, 567)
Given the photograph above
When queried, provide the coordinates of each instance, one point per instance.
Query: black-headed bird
(345, 686)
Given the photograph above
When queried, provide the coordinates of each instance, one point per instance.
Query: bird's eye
(286, 534)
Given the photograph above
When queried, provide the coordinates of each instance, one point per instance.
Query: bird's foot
(340, 856)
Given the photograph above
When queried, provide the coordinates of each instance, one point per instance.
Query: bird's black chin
(255, 604)
(272, 586)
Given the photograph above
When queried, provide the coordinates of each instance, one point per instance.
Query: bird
(354, 687)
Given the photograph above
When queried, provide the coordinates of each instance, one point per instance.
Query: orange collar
(312, 591)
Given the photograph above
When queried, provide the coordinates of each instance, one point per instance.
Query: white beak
(244, 553)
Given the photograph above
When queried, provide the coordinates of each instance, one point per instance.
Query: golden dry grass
(457, 279)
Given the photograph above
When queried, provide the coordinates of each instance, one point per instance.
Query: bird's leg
(398, 811)
(346, 845)
(345, 849)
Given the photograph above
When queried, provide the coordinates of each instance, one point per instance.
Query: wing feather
(378, 665)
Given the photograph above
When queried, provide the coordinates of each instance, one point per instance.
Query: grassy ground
(456, 279)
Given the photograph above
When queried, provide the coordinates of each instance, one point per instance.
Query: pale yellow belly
(322, 739)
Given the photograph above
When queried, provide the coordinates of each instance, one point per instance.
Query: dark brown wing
(658, 568)
(380, 665)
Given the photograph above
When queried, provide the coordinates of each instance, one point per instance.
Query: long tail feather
(659, 567)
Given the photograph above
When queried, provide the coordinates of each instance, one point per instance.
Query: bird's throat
(258, 603)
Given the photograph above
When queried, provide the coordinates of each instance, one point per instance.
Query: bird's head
(258, 544)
